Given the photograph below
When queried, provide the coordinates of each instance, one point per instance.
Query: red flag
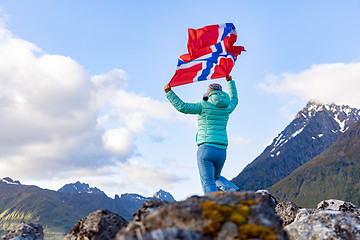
(212, 54)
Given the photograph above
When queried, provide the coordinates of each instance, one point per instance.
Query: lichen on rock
(222, 215)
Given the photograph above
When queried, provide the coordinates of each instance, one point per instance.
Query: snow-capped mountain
(313, 130)
(80, 188)
(333, 174)
(163, 195)
(60, 210)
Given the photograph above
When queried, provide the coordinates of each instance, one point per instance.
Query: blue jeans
(210, 163)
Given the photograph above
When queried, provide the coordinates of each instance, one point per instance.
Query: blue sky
(81, 85)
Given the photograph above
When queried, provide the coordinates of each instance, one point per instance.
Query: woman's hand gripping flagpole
(167, 88)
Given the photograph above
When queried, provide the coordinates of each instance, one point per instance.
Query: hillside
(58, 211)
(334, 174)
(313, 130)
(24, 203)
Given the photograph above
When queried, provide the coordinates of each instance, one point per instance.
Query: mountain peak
(163, 195)
(79, 187)
(339, 112)
(10, 181)
(343, 115)
(313, 129)
(332, 174)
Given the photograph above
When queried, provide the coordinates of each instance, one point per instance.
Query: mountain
(79, 188)
(25, 203)
(132, 202)
(313, 129)
(334, 174)
(59, 210)
(163, 195)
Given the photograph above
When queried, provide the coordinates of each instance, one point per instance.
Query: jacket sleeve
(233, 95)
(183, 107)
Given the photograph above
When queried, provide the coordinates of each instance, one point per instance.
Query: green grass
(334, 174)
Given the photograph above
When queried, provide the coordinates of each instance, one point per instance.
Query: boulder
(220, 215)
(25, 231)
(338, 205)
(99, 225)
(148, 207)
(333, 219)
(287, 212)
(267, 194)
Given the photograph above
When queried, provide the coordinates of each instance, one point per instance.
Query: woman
(213, 114)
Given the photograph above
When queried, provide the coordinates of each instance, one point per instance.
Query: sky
(81, 85)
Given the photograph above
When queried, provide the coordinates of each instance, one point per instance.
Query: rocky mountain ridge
(313, 129)
(58, 211)
(79, 187)
(335, 173)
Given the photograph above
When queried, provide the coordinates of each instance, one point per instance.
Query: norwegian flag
(211, 54)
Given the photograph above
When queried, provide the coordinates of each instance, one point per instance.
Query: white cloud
(127, 115)
(338, 83)
(59, 124)
(118, 141)
(45, 103)
(147, 178)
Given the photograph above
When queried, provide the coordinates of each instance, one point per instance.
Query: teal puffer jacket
(213, 114)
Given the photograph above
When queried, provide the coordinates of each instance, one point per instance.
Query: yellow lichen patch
(226, 210)
(217, 193)
(220, 213)
(248, 202)
(243, 210)
(255, 231)
(210, 210)
(238, 219)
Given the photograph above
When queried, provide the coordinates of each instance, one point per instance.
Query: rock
(220, 215)
(99, 225)
(333, 219)
(148, 207)
(268, 194)
(25, 232)
(325, 225)
(165, 234)
(287, 212)
(338, 205)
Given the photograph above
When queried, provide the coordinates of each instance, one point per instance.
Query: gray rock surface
(338, 205)
(266, 193)
(25, 232)
(333, 219)
(99, 225)
(220, 216)
(230, 215)
(287, 212)
(325, 225)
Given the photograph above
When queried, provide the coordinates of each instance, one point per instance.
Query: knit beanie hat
(212, 87)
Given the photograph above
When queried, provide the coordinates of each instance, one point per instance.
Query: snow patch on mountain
(163, 195)
(80, 188)
(341, 114)
(8, 180)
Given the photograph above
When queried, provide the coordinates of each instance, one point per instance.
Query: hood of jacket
(219, 98)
